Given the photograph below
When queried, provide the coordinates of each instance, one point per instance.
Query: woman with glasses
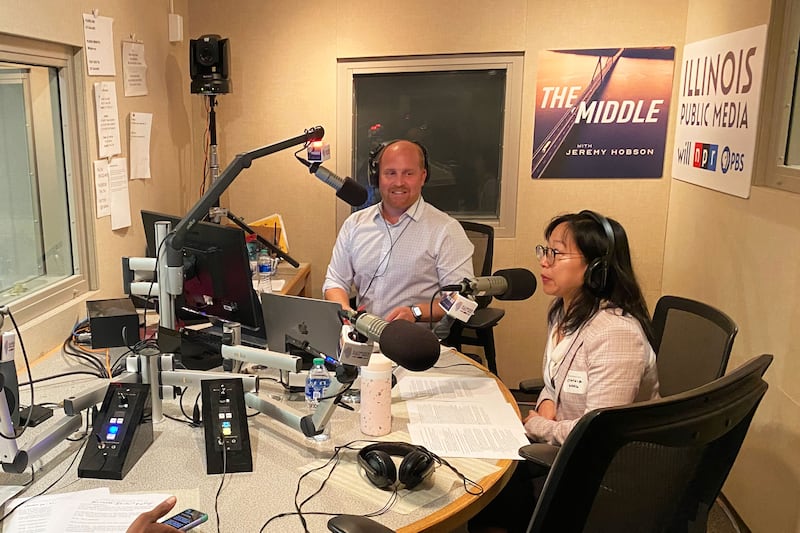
(598, 351)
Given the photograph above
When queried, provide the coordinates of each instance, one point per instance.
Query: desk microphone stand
(307, 424)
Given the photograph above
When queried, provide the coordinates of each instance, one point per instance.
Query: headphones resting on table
(375, 161)
(376, 460)
(596, 276)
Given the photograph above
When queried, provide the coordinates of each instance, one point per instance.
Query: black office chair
(478, 331)
(693, 342)
(651, 466)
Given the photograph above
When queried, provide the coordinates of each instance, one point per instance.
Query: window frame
(512, 63)
(778, 92)
(69, 61)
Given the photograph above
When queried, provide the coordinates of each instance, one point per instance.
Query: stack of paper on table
(461, 417)
(95, 510)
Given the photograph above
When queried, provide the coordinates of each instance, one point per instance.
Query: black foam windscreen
(352, 192)
(409, 345)
(521, 284)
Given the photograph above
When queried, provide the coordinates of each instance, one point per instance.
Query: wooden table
(296, 279)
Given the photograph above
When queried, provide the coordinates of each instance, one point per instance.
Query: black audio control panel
(225, 423)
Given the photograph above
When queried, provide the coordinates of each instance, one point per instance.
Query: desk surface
(175, 464)
(296, 279)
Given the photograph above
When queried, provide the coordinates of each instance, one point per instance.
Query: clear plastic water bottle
(264, 272)
(317, 382)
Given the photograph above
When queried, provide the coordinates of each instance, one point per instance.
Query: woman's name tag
(575, 382)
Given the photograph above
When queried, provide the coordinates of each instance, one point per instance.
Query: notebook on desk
(305, 320)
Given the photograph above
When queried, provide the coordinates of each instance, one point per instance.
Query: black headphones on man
(376, 460)
(596, 276)
(375, 154)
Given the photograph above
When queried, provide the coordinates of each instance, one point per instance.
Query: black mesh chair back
(655, 466)
(693, 343)
(482, 238)
(478, 331)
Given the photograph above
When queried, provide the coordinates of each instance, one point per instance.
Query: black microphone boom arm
(274, 248)
(198, 212)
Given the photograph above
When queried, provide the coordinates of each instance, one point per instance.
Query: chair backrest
(693, 342)
(654, 466)
(482, 238)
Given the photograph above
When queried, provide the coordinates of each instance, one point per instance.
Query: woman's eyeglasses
(549, 254)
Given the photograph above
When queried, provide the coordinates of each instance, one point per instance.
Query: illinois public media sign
(602, 113)
(719, 94)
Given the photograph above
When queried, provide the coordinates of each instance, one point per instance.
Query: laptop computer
(301, 320)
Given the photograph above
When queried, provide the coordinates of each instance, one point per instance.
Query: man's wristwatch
(417, 312)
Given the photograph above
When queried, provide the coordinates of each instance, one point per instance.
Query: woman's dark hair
(621, 288)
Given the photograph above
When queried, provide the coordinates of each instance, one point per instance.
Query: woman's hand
(546, 409)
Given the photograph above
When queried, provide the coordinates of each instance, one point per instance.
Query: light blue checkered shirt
(399, 264)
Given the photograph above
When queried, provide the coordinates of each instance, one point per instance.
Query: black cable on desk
(221, 481)
(69, 347)
(77, 453)
(63, 374)
(334, 460)
(25, 426)
(192, 422)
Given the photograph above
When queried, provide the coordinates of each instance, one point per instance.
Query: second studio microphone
(507, 284)
(410, 346)
(347, 189)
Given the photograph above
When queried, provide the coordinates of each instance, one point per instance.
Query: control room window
(464, 109)
(43, 262)
(780, 146)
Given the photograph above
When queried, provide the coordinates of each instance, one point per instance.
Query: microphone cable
(72, 348)
(85, 439)
(221, 481)
(6, 311)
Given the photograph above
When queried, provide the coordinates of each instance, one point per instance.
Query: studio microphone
(407, 344)
(508, 284)
(347, 189)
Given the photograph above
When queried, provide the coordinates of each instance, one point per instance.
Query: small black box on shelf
(113, 322)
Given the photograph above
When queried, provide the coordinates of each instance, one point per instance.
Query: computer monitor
(217, 279)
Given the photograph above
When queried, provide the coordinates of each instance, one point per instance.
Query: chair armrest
(485, 317)
(531, 386)
(348, 523)
(543, 455)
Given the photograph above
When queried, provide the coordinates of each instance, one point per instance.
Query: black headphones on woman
(375, 154)
(376, 460)
(596, 276)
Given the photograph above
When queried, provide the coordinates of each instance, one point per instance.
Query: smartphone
(186, 519)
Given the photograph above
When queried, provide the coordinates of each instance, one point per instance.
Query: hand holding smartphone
(186, 519)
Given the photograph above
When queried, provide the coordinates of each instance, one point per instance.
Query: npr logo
(705, 156)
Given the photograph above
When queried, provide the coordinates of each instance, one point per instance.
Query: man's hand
(147, 522)
(401, 313)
